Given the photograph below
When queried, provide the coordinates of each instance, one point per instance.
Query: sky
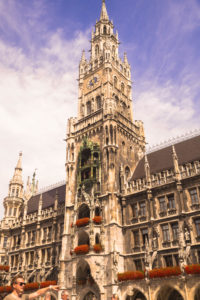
(40, 48)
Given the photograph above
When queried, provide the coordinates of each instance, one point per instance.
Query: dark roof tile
(160, 160)
(48, 199)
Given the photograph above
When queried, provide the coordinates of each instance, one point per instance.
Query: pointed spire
(175, 161)
(147, 171)
(17, 177)
(83, 59)
(19, 163)
(33, 184)
(125, 58)
(104, 14)
(40, 205)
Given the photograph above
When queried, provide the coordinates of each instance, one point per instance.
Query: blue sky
(40, 47)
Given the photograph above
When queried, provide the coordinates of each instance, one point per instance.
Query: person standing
(18, 285)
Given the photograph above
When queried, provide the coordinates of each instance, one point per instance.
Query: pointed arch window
(122, 87)
(104, 30)
(89, 107)
(96, 50)
(113, 50)
(115, 82)
(98, 102)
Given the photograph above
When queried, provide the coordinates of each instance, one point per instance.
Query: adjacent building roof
(48, 199)
(160, 160)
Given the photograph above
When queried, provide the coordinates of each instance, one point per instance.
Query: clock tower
(104, 145)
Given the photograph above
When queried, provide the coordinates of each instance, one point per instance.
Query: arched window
(89, 107)
(98, 102)
(96, 50)
(113, 50)
(83, 212)
(127, 172)
(104, 29)
(111, 134)
(97, 211)
(115, 82)
(97, 239)
(122, 87)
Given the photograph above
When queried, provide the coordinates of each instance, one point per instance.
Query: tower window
(89, 107)
(10, 211)
(122, 87)
(104, 30)
(96, 50)
(98, 101)
(113, 50)
(115, 82)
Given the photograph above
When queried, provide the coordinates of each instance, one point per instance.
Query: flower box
(130, 275)
(97, 219)
(82, 249)
(31, 286)
(6, 289)
(193, 269)
(47, 283)
(97, 248)
(4, 268)
(82, 222)
(165, 272)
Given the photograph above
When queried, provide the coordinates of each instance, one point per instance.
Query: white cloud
(166, 110)
(37, 96)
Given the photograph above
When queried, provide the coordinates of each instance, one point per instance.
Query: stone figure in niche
(187, 235)
(115, 263)
(184, 250)
(99, 275)
(149, 257)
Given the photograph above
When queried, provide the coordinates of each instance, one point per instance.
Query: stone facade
(119, 209)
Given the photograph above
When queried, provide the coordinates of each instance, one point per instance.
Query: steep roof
(160, 160)
(48, 199)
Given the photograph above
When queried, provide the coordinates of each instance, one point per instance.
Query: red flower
(82, 249)
(31, 286)
(97, 248)
(47, 283)
(165, 272)
(130, 275)
(97, 219)
(5, 289)
(4, 268)
(193, 269)
(82, 222)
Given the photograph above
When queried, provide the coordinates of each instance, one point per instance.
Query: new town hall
(124, 222)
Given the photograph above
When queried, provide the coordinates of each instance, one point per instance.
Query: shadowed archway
(137, 295)
(169, 293)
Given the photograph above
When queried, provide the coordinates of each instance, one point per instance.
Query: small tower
(14, 200)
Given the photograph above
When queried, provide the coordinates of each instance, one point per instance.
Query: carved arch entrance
(86, 286)
(197, 294)
(137, 295)
(90, 296)
(169, 293)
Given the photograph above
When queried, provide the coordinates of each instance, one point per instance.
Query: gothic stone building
(120, 210)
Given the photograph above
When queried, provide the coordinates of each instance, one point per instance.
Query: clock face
(93, 81)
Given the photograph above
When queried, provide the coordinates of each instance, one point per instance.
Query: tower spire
(104, 14)
(17, 177)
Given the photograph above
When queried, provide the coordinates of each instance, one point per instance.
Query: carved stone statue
(184, 249)
(149, 257)
(187, 235)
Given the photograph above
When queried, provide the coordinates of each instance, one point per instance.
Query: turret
(14, 200)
